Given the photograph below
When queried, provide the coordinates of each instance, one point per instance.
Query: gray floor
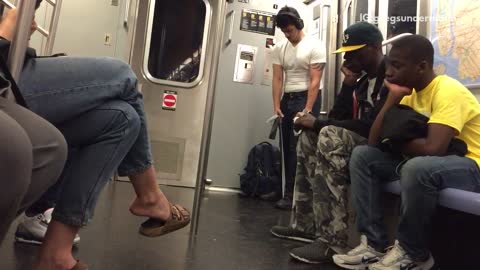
(233, 234)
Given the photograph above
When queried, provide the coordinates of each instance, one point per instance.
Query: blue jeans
(290, 106)
(95, 103)
(421, 178)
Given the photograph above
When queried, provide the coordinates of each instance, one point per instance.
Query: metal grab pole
(26, 10)
(52, 31)
(40, 29)
(207, 124)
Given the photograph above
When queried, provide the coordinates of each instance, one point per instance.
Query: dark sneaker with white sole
(314, 253)
(292, 234)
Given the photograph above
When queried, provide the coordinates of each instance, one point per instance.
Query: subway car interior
(202, 73)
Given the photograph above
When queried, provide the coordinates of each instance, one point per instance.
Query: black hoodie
(342, 112)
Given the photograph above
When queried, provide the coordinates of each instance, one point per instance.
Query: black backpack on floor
(262, 176)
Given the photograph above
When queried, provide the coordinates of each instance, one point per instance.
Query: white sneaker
(358, 258)
(397, 259)
(32, 230)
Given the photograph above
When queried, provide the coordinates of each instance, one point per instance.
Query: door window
(402, 16)
(176, 41)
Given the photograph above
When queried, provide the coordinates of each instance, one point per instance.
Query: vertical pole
(16, 57)
(207, 125)
(57, 6)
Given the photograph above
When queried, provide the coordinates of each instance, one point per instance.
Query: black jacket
(402, 124)
(5, 48)
(342, 114)
(4, 51)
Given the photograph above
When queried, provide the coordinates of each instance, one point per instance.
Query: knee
(415, 173)
(123, 70)
(330, 139)
(127, 118)
(360, 157)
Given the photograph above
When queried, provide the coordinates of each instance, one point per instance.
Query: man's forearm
(312, 94)
(276, 92)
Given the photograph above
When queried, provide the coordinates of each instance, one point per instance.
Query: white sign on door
(245, 63)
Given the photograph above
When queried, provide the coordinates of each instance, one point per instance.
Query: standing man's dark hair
(289, 16)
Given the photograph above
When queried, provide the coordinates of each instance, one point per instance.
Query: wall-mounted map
(455, 34)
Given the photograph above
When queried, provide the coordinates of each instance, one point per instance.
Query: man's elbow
(435, 150)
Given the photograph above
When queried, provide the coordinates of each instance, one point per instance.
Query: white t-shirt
(296, 61)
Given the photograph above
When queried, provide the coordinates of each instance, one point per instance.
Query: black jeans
(291, 104)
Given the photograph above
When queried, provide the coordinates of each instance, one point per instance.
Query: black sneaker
(292, 234)
(316, 252)
(284, 203)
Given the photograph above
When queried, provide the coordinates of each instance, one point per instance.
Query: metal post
(16, 57)
(207, 125)
(57, 6)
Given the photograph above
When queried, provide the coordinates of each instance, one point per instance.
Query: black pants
(291, 104)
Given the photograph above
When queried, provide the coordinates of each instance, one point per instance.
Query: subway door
(172, 49)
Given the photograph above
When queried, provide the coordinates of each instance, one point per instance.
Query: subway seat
(460, 200)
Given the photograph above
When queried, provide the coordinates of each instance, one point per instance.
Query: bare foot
(158, 208)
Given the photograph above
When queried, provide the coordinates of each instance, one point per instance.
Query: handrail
(57, 6)
(395, 38)
(51, 32)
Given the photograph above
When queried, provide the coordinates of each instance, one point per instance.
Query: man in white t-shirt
(298, 64)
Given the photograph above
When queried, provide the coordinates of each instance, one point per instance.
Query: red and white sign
(169, 101)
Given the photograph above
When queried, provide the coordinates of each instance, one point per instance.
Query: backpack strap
(13, 85)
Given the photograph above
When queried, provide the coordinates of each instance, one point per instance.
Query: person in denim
(96, 105)
(298, 64)
(453, 112)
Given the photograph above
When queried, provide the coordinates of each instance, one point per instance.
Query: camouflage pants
(321, 203)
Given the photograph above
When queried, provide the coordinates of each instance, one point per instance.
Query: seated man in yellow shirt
(454, 113)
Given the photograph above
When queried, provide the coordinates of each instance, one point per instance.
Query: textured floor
(233, 234)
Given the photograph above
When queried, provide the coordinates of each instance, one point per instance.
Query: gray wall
(242, 109)
(82, 28)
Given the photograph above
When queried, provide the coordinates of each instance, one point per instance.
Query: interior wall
(83, 27)
(241, 109)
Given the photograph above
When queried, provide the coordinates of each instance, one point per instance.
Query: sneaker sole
(295, 238)
(349, 266)
(26, 241)
(35, 242)
(306, 260)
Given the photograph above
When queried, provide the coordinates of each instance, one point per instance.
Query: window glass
(175, 43)
(402, 17)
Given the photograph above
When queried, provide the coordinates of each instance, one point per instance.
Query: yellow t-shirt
(446, 101)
